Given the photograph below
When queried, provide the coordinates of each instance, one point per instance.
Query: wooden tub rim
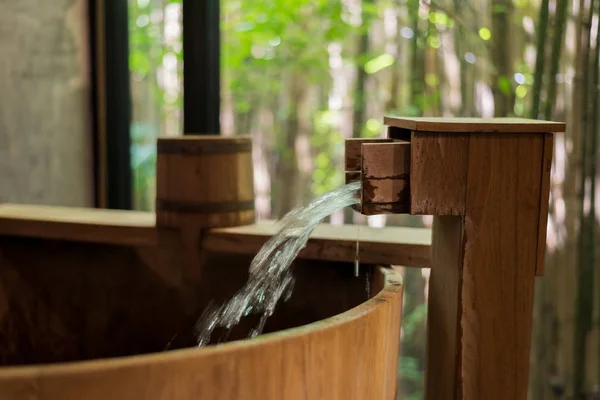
(392, 286)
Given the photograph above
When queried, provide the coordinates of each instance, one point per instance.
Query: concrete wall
(45, 136)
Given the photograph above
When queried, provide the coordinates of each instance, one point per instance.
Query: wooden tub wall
(309, 362)
(81, 284)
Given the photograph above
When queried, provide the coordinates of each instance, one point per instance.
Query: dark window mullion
(112, 103)
(201, 67)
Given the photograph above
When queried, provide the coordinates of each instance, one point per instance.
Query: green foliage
(373, 128)
(378, 63)
(266, 41)
(504, 85)
(326, 175)
(485, 33)
(409, 371)
(412, 320)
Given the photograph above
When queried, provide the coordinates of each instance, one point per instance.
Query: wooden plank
(492, 125)
(438, 173)
(442, 369)
(389, 245)
(483, 272)
(78, 224)
(544, 202)
(499, 262)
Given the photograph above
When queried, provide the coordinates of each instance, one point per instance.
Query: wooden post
(486, 181)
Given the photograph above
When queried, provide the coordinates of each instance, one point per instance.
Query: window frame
(111, 90)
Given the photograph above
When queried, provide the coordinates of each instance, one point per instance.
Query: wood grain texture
(438, 173)
(443, 365)
(389, 245)
(466, 125)
(386, 174)
(309, 362)
(501, 226)
(45, 136)
(207, 181)
(353, 152)
(483, 272)
(78, 223)
(544, 202)
(66, 301)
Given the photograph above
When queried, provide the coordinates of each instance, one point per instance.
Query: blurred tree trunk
(359, 103)
(393, 104)
(417, 64)
(564, 278)
(433, 76)
(501, 52)
(243, 121)
(362, 53)
(585, 268)
(286, 182)
(560, 22)
(592, 159)
(467, 89)
(540, 59)
(552, 364)
(414, 324)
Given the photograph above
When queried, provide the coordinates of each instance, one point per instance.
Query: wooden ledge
(78, 224)
(389, 245)
(474, 125)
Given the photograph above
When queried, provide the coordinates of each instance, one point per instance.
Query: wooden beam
(78, 224)
(389, 245)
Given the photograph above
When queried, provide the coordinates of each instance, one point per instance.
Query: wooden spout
(382, 166)
(486, 182)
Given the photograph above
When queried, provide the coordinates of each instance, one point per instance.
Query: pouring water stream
(270, 273)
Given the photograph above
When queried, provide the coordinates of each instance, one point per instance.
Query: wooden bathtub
(90, 299)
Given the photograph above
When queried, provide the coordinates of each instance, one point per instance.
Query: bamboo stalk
(593, 155)
(501, 51)
(540, 58)
(585, 274)
(557, 45)
(417, 61)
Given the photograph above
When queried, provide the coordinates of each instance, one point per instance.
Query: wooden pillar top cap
(492, 125)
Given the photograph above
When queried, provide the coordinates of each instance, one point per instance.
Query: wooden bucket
(206, 181)
(348, 355)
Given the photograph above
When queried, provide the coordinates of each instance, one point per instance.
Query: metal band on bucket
(184, 147)
(203, 208)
